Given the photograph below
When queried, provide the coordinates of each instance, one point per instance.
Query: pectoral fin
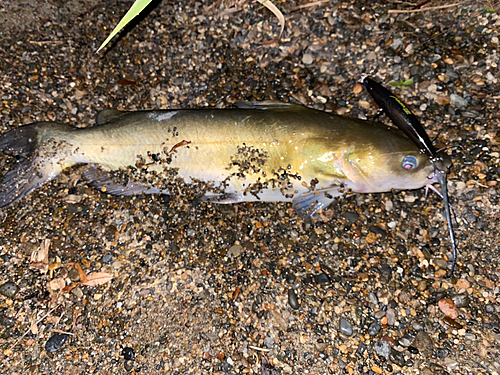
(102, 181)
(309, 204)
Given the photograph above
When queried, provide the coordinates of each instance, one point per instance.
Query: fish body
(261, 152)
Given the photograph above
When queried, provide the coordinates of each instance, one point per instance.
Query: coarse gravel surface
(200, 288)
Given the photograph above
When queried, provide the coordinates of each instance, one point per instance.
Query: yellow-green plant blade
(134, 10)
(269, 5)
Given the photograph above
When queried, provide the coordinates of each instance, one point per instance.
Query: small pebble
(451, 363)
(405, 341)
(397, 357)
(73, 274)
(269, 342)
(443, 100)
(9, 289)
(350, 217)
(441, 263)
(235, 251)
(128, 365)
(374, 329)
(413, 350)
(490, 309)
(373, 298)
(293, 300)
(458, 101)
(107, 257)
(322, 278)
(452, 323)
(391, 316)
(441, 353)
(423, 343)
(382, 348)
(345, 327)
(56, 342)
(307, 59)
(128, 354)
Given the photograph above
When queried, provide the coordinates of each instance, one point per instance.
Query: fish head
(373, 169)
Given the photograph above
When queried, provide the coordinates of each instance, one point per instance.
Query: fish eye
(410, 162)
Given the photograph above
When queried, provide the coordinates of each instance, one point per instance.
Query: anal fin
(222, 198)
(102, 181)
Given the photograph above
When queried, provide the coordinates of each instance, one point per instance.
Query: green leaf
(134, 10)
(490, 10)
(402, 83)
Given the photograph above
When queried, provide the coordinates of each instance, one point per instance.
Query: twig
(314, 3)
(43, 42)
(480, 184)
(63, 332)
(257, 348)
(396, 11)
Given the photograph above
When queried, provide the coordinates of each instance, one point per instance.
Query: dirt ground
(200, 288)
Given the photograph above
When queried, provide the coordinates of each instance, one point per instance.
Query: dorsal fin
(108, 115)
(269, 104)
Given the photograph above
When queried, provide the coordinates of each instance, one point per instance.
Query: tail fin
(30, 169)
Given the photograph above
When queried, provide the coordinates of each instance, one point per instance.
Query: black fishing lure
(404, 119)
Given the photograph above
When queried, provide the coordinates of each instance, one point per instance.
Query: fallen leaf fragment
(83, 277)
(69, 288)
(40, 258)
(98, 278)
(448, 308)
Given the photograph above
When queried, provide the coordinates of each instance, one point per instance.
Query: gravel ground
(207, 289)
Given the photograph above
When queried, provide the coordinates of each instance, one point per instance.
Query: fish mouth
(432, 179)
